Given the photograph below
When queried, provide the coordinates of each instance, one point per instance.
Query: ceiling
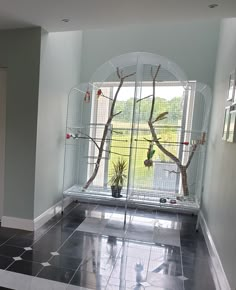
(90, 14)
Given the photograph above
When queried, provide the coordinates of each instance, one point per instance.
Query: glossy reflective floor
(89, 249)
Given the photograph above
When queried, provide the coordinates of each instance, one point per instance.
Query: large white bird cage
(183, 133)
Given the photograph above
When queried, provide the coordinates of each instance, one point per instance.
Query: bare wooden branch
(117, 132)
(102, 95)
(144, 98)
(183, 169)
(162, 116)
(116, 114)
(153, 92)
(172, 171)
(129, 75)
(194, 148)
(150, 140)
(116, 153)
(118, 72)
(106, 127)
(91, 138)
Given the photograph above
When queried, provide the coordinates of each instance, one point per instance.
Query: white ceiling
(87, 14)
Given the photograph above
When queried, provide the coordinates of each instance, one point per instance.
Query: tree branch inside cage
(182, 168)
(106, 127)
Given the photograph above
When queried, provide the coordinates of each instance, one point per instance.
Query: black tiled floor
(89, 280)
(65, 262)
(56, 274)
(37, 256)
(111, 260)
(10, 251)
(48, 243)
(25, 267)
(5, 262)
(20, 242)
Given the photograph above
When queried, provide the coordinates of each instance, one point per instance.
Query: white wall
(59, 71)
(219, 199)
(3, 84)
(20, 53)
(192, 45)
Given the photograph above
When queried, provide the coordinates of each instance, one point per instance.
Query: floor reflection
(89, 247)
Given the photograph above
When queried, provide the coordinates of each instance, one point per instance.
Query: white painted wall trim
(51, 212)
(219, 276)
(33, 225)
(17, 223)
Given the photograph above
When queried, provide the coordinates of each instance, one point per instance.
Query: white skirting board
(33, 225)
(218, 270)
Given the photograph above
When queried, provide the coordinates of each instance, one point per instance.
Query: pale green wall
(192, 45)
(219, 199)
(20, 53)
(59, 72)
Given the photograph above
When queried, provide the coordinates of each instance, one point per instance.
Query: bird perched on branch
(148, 162)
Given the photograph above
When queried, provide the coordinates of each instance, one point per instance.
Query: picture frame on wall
(234, 98)
(231, 90)
(232, 126)
(226, 124)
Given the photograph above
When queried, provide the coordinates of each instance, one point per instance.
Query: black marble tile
(121, 284)
(199, 271)
(79, 249)
(57, 234)
(188, 218)
(49, 243)
(187, 227)
(105, 209)
(25, 267)
(2, 241)
(188, 235)
(65, 262)
(95, 258)
(101, 265)
(145, 213)
(166, 216)
(82, 210)
(89, 280)
(10, 251)
(30, 235)
(166, 267)
(115, 225)
(68, 224)
(193, 261)
(165, 249)
(201, 284)
(165, 281)
(7, 233)
(57, 274)
(37, 256)
(121, 210)
(195, 252)
(81, 236)
(20, 242)
(5, 262)
(193, 244)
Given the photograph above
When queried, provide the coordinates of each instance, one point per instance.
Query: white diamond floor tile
(182, 278)
(46, 264)
(54, 253)
(17, 258)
